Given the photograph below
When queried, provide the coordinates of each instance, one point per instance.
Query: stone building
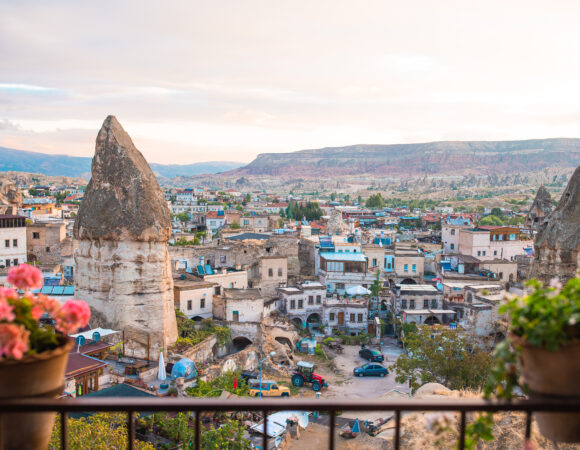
(557, 244)
(303, 303)
(194, 299)
(12, 240)
(45, 242)
(268, 274)
(420, 304)
(123, 270)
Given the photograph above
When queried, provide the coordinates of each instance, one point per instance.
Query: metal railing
(267, 406)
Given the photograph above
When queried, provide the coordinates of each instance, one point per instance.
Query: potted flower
(540, 357)
(33, 356)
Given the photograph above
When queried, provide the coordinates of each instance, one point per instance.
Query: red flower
(13, 341)
(73, 315)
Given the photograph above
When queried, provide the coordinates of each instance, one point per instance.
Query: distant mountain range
(432, 158)
(77, 166)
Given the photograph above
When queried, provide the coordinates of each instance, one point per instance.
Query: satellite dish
(96, 336)
(80, 340)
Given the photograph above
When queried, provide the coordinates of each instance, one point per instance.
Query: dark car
(371, 355)
(370, 370)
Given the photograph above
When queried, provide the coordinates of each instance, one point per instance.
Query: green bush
(328, 340)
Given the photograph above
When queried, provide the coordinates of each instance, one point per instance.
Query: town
(228, 292)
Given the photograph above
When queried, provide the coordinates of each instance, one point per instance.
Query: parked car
(371, 355)
(370, 370)
(270, 388)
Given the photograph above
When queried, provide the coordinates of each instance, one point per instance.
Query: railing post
(528, 425)
(197, 431)
(332, 425)
(265, 436)
(462, 431)
(63, 431)
(130, 430)
(397, 429)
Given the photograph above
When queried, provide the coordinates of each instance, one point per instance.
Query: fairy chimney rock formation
(557, 245)
(123, 268)
(540, 209)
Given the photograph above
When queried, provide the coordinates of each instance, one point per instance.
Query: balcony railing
(265, 406)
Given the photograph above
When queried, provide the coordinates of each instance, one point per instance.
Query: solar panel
(208, 270)
(69, 290)
(57, 290)
(200, 270)
(46, 290)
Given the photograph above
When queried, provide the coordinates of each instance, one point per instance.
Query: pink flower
(48, 304)
(13, 341)
(8, 293)
(25, 277)
(6, 310)
(73, 315)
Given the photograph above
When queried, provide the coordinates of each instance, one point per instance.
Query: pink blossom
(25, 277)
(73, 315)
(6, 310)
(8, 293)
(13, 341)
(48, 304)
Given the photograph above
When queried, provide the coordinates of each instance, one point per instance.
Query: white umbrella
(161, 375)
(357, 290)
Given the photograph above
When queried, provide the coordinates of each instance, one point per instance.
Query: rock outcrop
(557, 245)
(11, 198)
(123, 268)
(540, 209)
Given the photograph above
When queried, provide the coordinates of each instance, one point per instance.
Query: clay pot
(552, 375)
(34, 376)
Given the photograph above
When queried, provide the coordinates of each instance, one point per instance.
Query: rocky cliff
(123, 268)
(473, 157)
(557, 245)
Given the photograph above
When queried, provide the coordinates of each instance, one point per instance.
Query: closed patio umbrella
(161, 375)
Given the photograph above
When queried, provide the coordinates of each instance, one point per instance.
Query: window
(7, 263)
(231, 285)
(479, 253)
(47, 249)
(404, 304)
(14, 242)
(434, 303)
(292, 304)
(414, 267)
(406, 267)
(389, 266)
(318, 299)
(452, 246)
(189, 305)
(425, 304)
(280, 272)
(216, 290)
(374, 262)
(202, 303)
(340, 286)
(483, 253)
(236, 316)
(495, 253)
(15, 261)
(35, 235)
(412, 304)
(270, 272)
(7, 243)
(360, 318)
(223, 259)
(352, 318)
(331, 317)
(311, 300)
(300, 304)
(453, 232)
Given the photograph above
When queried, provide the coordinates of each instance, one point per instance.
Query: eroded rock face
(10, 198)
(123, 200)
(123, 268)
(557, 245)
(540, 209)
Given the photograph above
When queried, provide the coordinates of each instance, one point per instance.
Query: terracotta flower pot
(35, 376)
(551, 374)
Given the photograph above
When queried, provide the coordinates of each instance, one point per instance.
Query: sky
(212, 80)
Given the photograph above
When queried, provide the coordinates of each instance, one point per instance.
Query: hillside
(445, 158)
(75, 166)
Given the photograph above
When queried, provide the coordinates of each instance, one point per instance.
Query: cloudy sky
(225, 80)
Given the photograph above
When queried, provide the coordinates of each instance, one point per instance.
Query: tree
(310, 211)
(333, 196)
(235, 225)
(497, 212)
(375, 201)
(101, 430)
(183, 217)
(448, 357)
(377, 285)
(491, 220)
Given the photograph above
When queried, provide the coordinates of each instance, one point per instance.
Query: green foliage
(328, 340)
(215, 387)
(235, 225)
(189, 335)
(310, 211)
(354, 340)
(375, 201)
(377, 285)
(497, 212)
(491, 220)
(443, 356)
(185, 242)
(183, 217)
(318, 352)
(100, 431)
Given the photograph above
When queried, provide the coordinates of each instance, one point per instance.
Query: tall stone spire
(540, 209)
(123, 268)
(557, 245)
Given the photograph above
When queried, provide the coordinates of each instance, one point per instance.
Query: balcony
(132, 406)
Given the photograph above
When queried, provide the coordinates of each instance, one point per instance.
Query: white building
(340, 271)
(420, 304)
(194, 299)
(12, 240)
